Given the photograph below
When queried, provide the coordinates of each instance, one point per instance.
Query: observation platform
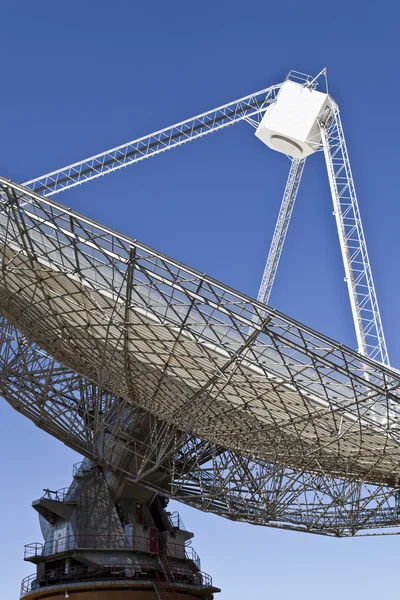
(115, 583)
(147, 555)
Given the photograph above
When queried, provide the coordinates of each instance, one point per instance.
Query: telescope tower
(99, 548)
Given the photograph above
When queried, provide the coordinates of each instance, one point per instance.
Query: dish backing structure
(173, 385)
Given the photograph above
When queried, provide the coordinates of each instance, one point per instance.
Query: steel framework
(147, 367)
(358, 274)
(248, 108)
(363, 300)
(282, 225)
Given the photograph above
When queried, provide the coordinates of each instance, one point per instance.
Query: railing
(110, 542)
(75, 542)
(81, 468)
(62, 495)
(34, 549)
(176, 521)
(116, 542)
(121, 573)
(303, 78)
(191, 554)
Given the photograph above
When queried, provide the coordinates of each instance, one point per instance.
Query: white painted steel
(246, 108)
(291, 124)
(287, 117)
(281, 227)
(360, 283)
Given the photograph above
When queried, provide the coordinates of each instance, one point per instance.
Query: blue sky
(80, 77)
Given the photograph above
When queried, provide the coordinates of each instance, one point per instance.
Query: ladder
(163, 585)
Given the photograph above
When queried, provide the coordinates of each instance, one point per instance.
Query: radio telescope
(172, 383)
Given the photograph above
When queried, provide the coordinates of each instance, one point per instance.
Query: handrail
(77, 541)
(62, 495)
(176, 520)
(175, 575)
(191, 554)
(111, 542)
(33, 549)
(81, 468)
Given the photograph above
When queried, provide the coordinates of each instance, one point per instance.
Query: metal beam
(281, 227)
(360, 283)
(134, 151)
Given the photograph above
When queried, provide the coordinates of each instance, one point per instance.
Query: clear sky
(80, 77)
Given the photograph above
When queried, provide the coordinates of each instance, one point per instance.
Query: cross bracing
(251, 109)
(282, 225)
(170, 378)
(109, 431)
(360, 283)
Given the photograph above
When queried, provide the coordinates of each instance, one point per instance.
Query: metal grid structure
(169, 378)
(281, 227)
(363, 299)
(249, 108)
(360, 283)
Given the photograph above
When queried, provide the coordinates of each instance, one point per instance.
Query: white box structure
(290, 125)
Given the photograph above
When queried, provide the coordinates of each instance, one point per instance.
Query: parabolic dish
(189, 349)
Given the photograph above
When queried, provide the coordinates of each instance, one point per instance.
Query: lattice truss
(251, 109)
(169, 378)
